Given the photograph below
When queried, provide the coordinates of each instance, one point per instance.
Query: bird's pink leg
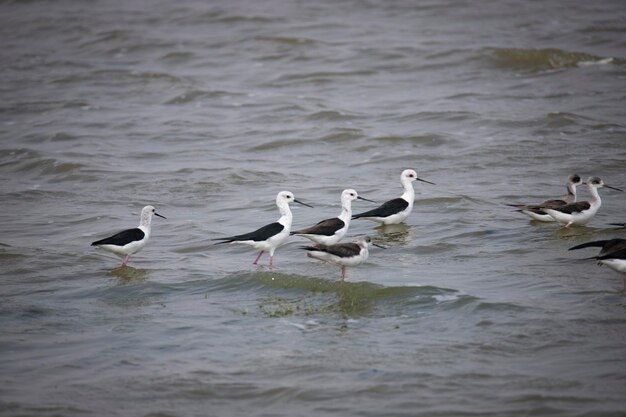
(343, 268)
(125, 261)
(257, 258)
(271, 261)
(323, 260)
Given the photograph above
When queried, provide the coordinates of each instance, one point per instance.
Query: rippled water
(208, 109)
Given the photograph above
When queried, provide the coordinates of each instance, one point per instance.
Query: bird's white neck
(146, 219)
(285, 214)
(595, 196)
(409, 192)
(571, 192)
(364, 252)
(346, 211)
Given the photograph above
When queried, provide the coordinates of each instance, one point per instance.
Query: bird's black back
(122, 238)
(386, 209)
(343, 250)
(573, 207)
(326, 227)
(258, 235)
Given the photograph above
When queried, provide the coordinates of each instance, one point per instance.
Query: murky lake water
(208, 109)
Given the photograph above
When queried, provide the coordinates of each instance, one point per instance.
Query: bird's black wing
(614, 248)
(326, 227)
(596, 243)
(572, 208)
(343, 250)
(536, 208)
(258, 235)
(552, 203)
(616, 254)
(386, 209)
(122, 238)
(611, 248)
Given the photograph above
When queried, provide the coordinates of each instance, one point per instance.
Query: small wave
(499, 307)
(4, 256)
(330, 115)
(438, 116)
(29, 162)
(43, 106)
(322, 77)
(199, 95)
(342, 135)
(439, 247)
(558, 120)
(177, 57)
(251, 19)
(154, 75)
(276, 144)
(607, 29)
(425, 140)
(286, 40)
(540, 60)
(293, 295)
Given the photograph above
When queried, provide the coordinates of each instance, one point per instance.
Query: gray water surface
(207, 109)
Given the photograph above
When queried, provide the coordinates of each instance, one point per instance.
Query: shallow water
(207, 110)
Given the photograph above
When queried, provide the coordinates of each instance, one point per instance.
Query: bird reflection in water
(128, 274)
(394, 234)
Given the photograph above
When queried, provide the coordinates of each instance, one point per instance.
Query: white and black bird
(331, 231)
(397, 210)
(581, 212)
(612, 254)
(271, 236)
(130, 241)
(342, 254)
(534, 210)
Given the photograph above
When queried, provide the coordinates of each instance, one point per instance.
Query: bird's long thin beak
(362, 198)
(379, 246)
(300, 202)
(427, 182)
(613, 188)
(157, 214)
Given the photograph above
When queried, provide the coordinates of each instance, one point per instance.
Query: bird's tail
(597, 243)
(223, 240)
(314, 247)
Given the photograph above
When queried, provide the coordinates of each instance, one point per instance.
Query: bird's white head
(366, 241)
(408, 176)
(349, 195)
(596, 182)
(146, 215)
(574, 179)
(285, 197)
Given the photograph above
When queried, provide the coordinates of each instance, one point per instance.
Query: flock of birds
(327, 233)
